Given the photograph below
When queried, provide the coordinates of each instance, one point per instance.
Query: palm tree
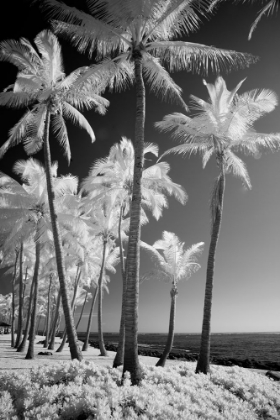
(173, 264)
(140, 35)
(42, 86)
(114, 176)
(222, 125)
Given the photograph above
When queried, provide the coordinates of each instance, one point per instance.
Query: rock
(273, 375)
(45, 353)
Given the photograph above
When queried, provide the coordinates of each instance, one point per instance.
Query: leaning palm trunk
(69, 320)
(85, 346)
(20, 300)
(102, 349)
(46, 343)
(131, 361)
(170, 338)
(82, 311)
(118, 360)
(204, 352)
(30, 351)
(55, 322)
(22, 345)
(64, 337)
(13, 302)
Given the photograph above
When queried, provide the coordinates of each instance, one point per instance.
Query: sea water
(258, 346)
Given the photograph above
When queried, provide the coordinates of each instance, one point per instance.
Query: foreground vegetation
(82, 390)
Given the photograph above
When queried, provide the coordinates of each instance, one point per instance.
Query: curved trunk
(46, 343)
(53, 334)
(170, 338)
(103, 351)
(131, 361)
(85, 346)
(204, 352)
(118, 360)
(13, 303)
(30, 351)
(69, 320)
(22, 345)
(20, 303)
(64, 337)
(82, 311)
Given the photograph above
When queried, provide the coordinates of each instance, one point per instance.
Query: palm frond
(270, 7)
(16, 99)
(60, 132)
(21, 54)
(50, 51)
(199, 58)
(238, 167)
(77, 118)
(159, 80)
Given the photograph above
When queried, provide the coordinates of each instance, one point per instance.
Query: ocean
(259, 346)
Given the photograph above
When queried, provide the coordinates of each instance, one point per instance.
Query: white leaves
(77, 118)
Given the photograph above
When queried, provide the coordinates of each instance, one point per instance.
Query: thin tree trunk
(13, 302)
(21, 347)
(86, 342)
(170, 338)
(204, 352)
(82, 311)
(118, 360)
(69, 320)
(131, 360)
(30, 351)
(46, 343)
(38, 325)
(53, 334)
(64, 337)
(102, 348)
(20, 306)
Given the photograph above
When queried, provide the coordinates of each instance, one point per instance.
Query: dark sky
(247, 286)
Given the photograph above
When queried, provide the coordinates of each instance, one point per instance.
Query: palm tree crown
(223, 125)
(41, 83)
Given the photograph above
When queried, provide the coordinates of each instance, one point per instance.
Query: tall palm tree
(172, 265)
(42, 86)
(140, 35)
(221, 126)
(114, 175)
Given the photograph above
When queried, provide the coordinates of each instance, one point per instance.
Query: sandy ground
(11, 360)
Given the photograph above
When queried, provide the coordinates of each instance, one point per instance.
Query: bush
(82, 390)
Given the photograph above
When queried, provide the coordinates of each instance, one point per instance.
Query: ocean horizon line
(188, 333)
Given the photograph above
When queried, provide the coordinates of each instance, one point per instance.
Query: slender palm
(141, 34)
(42, 85)
(222, 125)
(114, 175)
(174, 264)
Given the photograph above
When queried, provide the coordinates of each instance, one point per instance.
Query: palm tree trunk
(82, 311)
(64, 337)
(170, 338)
(22, 345)
(53, 334)
(204, 352)
(30, 351)
(118, 360)
(131, 361)
(85, 346)
(69, 320)
(20, 303)
(13, 302)
(46, 343)
(102, 348)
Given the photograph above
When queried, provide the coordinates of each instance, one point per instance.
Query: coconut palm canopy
(249, 242)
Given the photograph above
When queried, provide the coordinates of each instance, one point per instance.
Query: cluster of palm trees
(132, 42)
